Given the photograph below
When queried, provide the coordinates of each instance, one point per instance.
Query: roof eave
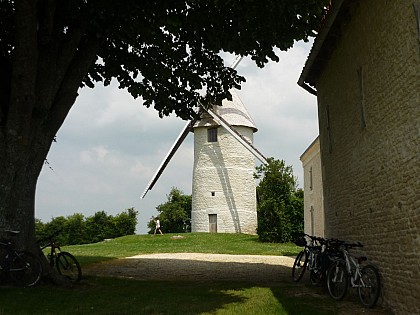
(305, 81)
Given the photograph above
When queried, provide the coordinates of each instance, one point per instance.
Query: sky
(110, 145)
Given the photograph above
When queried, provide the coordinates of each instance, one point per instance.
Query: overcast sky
(110, 145)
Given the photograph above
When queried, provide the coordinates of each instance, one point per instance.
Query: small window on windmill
(213, 193)
(212, 135)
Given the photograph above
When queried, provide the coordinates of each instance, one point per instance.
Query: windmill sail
(217, 118)
(237, 136)
(174, 148)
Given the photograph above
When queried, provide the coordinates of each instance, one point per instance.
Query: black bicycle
(302, 259)
(22, 267)
(321, 258)
(316, 256)
(66, 264)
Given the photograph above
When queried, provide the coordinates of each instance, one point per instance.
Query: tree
(174, 214)
(165, 52)
(76, 229)
(125, 222)
(280, 203)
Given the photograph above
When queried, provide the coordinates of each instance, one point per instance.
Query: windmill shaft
(237, 136)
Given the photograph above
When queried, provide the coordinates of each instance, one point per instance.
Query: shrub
(76, 229)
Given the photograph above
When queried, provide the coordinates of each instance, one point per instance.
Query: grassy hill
(216, 243)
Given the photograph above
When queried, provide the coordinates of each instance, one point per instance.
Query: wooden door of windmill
(213, 223)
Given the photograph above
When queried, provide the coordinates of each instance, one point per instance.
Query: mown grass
(102, 295)
(238, 244)
(123, 296)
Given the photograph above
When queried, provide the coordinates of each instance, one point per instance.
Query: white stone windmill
(223, 188)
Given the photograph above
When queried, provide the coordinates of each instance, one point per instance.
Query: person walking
(157, 227)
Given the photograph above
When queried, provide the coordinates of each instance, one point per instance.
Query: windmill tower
(224, 192)
(223, 189)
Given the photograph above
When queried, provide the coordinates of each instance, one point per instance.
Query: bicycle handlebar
(332, 242)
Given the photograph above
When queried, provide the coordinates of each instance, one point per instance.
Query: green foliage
(166, 53)
(280, 204)
(174, 214)
(76, 229)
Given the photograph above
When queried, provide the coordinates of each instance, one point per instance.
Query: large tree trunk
(21, 161)
(39, 80)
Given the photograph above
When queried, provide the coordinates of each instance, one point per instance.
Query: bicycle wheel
(370, 286)
(337, 281)
(299, 266)
(25, 269)
(68, 266)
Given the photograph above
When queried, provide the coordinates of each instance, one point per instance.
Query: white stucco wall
(313, 190)
(223, 183)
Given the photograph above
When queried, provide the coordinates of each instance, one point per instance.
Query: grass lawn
(101, 295)
(121, 296)
(217, 243)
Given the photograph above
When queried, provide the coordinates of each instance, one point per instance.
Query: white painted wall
(224, 168)
(313, 190)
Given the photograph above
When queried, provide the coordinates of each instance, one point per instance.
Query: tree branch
(84, 58)
(57, 50)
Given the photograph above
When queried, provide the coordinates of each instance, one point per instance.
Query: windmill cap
(234, 112)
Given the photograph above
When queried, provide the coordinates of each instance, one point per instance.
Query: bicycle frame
(52, 252)
(10, 252)
(313, 251)
(353, 269)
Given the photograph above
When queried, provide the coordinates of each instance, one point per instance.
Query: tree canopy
(165, 52)
(280, 203)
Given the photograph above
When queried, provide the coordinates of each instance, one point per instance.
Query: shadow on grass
(89, 260)
(190, 270)
(171, 286)
(102, 295)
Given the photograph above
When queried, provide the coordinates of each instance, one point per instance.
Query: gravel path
(268, 270)
(197, 266)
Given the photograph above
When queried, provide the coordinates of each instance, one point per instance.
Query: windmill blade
(236, 62)
(237, 136)
(174, 148)
(184, 134)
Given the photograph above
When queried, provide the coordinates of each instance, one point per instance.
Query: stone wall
(223, 183)
(369, 114)
(313, 192)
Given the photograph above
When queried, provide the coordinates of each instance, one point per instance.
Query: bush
(280, 204)
(76, 229)
(174, 214)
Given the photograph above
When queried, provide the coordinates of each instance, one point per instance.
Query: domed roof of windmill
(234, 112)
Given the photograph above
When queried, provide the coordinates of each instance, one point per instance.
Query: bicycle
(321, 260)
(307, 258)
(66, 264)
(366, 279)
(23, 267)
(316, 256)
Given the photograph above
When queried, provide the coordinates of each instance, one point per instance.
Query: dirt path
(268, 270)
(195, 266)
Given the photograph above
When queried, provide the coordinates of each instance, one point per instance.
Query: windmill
(223, 188)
